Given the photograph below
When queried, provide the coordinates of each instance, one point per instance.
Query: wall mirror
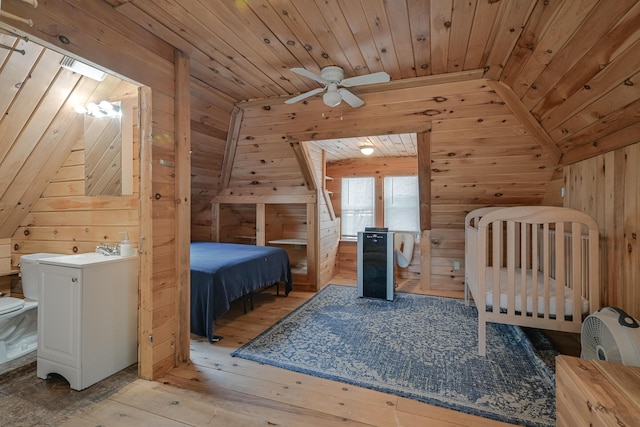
(103, 149)
(108, 147)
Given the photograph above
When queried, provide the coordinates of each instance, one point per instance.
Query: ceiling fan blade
(309, 74)
(350, 98)
(367, 79)
(304, 95)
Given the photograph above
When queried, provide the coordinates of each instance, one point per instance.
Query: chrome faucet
(107, 250)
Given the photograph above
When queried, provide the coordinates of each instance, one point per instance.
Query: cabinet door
(59, 296)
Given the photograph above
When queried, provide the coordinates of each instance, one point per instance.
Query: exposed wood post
(215, 222)
(305, 164)
(145, 246)
(312, 244)
(261, 219)
(230, 148)
(424, 190)
(182, 108)
(527, 119)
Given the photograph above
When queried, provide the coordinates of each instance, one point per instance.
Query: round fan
(332, 78)
(611, 334)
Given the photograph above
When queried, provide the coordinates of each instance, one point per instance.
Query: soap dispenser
(126, 249)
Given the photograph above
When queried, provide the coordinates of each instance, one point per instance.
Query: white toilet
(19, 318)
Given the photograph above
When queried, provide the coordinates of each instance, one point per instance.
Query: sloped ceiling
(572, 65)
(567, 71)
(38, 124)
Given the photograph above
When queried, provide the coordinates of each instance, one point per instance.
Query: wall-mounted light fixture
(103, 109)
(82, 68)
(367, 150)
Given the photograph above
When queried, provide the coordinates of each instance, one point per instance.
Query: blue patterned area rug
(419, 347)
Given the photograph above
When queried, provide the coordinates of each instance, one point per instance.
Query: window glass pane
(401, 203)
(357, 205)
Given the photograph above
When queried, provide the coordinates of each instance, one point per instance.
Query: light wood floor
(218, 390)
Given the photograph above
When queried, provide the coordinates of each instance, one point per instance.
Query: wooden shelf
(302, 242)
(252, 239)
(9, 273)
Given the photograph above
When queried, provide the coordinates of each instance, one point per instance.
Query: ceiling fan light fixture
(367, 150)
(333, 81)
(332, 99)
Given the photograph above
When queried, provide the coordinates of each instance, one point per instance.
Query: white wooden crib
(522, 263)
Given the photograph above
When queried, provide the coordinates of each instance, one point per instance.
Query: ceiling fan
(332, 77)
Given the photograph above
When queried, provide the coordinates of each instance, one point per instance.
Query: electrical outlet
(456, 265)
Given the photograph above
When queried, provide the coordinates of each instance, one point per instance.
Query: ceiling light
(82, 68)
(367, 150)
(332, 99)
(103, 109)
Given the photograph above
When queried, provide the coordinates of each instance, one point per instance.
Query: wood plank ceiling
(571, 65)
(568, 72)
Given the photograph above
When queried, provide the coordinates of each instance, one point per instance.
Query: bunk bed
(534, 266)
(224, 272)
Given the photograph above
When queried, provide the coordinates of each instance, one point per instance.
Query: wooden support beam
(424, 179)
(145, 246)
(183, 206)
(527, 120)
(424, 191)
(230, 148)
(305, 165)
(261, 224)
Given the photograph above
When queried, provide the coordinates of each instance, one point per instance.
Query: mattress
(568, 293)
(224, 272)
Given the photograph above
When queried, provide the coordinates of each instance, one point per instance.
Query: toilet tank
(29, 273)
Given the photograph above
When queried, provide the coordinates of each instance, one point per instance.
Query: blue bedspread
(224, 272)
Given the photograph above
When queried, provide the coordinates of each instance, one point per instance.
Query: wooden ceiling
(571, 65)
(564, 76)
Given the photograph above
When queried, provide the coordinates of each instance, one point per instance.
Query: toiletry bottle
(125, 246)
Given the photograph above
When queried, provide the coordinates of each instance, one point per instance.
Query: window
(401, 203)
(358, 209)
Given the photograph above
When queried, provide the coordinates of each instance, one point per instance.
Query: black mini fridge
(376, 264)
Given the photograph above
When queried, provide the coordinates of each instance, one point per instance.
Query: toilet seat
(9, 304)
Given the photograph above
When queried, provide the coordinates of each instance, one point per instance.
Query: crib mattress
(568, 294)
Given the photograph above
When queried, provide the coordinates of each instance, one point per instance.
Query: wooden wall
(63, 220)
(210, 118)
(488, 160)
(102, 36)
(328, 224)
(481, 153)
(607, 187)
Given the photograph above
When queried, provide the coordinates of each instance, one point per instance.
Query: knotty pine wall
(480, 153)
(64, 221)
(607, 187)
(328, 224)
(101, 35)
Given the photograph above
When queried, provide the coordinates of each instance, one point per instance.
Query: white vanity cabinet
(87, 317)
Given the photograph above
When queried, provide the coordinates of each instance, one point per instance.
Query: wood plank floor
(218, 390)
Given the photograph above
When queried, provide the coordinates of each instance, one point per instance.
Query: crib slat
(511, 254)
(535, 266)
(560, 270)
(481, 298)
(523, 268)
(545, 260)
(594, 291)
(496, 227)
(576, 271)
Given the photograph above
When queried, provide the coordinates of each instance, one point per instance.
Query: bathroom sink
(78, 260)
